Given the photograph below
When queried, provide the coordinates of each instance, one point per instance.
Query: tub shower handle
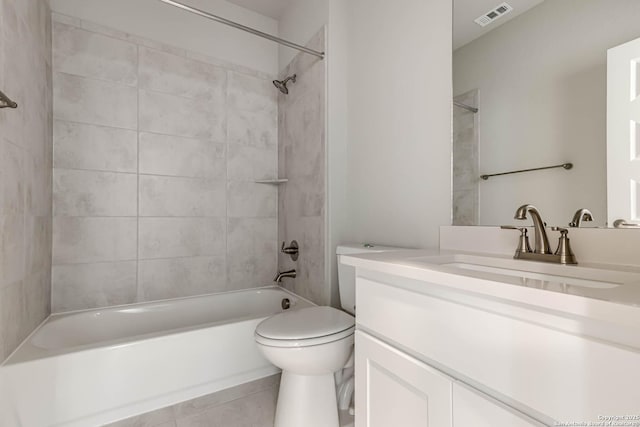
(292, 250)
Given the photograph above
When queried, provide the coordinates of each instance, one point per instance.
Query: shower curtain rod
(244, 28)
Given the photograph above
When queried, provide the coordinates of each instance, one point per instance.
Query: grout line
(75, 122)
(138, 172)
(195, 178)
(96, 79)
(94, 170)
(150, 132)
(136, 86)
(169, 217)
(64, 264)
(226, 172)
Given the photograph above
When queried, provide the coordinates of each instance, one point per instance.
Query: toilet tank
(347, 273)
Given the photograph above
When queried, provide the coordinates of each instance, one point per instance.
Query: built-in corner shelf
(272, 181)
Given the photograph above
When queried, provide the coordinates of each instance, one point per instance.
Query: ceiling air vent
(493, 14)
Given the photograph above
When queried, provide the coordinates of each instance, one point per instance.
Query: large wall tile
(12, 186)
(90, 193)
(177, 156)
(12, 249)
(25, 170)
(82, 286)
(82, 146)
(87, 54)
(173, 196)
(312, 267)
(167, 73)
(181, 237)
(37, 241)
(150, 166)
(301, 155)
(175, 115)
(251, 252)
(12, 317)
(250, 163)
(303, 139)
(251, 93)
(180, 277)
(303, 196)
(37, 298)
(78, 99)
(256, 128)
(248, 199)
(84, 240)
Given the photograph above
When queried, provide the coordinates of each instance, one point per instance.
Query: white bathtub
(99, 366)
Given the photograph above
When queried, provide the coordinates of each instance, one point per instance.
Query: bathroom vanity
(463, 339)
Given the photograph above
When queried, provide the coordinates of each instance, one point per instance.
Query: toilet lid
(305, 323)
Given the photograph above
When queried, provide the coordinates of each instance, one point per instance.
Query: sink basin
(530, 273)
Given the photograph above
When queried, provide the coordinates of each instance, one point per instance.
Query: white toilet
(310, 345)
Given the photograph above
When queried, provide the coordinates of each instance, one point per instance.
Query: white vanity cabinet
(427, 354)
(470, 408)
(395, 389)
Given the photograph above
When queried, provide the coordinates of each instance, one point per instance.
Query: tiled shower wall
(25, 170)
(466, 174)
(156, 150)
(302, 159)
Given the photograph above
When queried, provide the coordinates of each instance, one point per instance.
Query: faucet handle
(564, 247)
(293, 250)
(523, 244)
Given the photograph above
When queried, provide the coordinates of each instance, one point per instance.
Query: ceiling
(465, 11)
(271, 8)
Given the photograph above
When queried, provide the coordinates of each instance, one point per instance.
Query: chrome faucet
(540, 239)
(282, 275)
(580, 216)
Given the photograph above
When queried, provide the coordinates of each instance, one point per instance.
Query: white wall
(157, 21)
(300, 21)
(337, 138)
(542, 98)
(399, 120)
(388, 181)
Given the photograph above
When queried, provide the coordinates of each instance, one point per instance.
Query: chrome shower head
(282, 84)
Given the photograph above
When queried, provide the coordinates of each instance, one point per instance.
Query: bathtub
(99, 366)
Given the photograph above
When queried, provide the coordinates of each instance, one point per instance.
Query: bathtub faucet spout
(282, 275)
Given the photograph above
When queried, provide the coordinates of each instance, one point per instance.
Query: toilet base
(307, 400)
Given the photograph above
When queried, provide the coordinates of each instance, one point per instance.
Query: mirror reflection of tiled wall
(465, 161)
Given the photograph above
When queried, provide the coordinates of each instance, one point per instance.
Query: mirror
(537, 74)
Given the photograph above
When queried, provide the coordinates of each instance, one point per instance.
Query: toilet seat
(305, 327)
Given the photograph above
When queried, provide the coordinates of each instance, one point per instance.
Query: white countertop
(617, 306)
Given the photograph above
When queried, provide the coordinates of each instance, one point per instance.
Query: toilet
(310, 345)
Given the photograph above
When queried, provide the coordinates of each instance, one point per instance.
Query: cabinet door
(470, 408)
(394, 389)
